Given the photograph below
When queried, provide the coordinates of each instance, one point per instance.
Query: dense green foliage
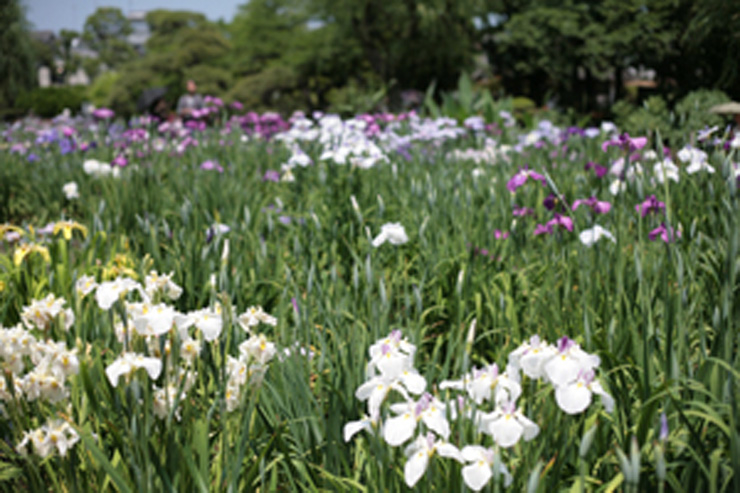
(316, 54)
(663, 317)
(48, 102)
(16, 54)
(654, 115)
(105, 31)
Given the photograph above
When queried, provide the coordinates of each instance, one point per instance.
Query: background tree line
(358, 55)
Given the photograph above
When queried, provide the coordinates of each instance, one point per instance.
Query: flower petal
(573, 398)
(415, 467)
(477, 475)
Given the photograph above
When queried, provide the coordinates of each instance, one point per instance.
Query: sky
(71, 14)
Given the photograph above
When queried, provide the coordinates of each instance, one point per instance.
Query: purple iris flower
(551, 202)
(663, 427)
(236, 105)
(522, 211)
(32, 157)
(650, 204)
(598, 206)
(562, 221)
(625, 142)
(66, 146)
(598, 169)
(404, 151)
(209, 165)
(667, 234)
(542, 229)
(521, 177)
(120, 160)
(271, 175)
(295, 305)
(195, 124)
(285, 219)
(49, 136)
(500, 235)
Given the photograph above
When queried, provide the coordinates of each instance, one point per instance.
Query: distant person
(189, 101)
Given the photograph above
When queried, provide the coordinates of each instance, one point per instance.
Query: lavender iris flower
(271, 175)
(66, 146)
(521, 177)
(209, 165)
(667, 234)
(663, 427)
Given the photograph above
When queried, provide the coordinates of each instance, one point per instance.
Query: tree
(16, 53)
(411, 42)
(106, 32)
(165, 25)
(568, 49)
(67, 39)
(349, 47)
(282, 57)
(182, 45)
(268, 31)
(712, 41)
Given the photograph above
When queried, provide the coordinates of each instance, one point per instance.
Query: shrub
(48, 102)
(272, 89)
(691, 112)
(101, 89)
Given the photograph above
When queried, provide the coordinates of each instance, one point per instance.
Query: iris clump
(166, 329)
(393, 412)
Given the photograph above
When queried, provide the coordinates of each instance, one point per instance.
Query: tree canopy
(316, 54)
(16, 53)
(106, 32)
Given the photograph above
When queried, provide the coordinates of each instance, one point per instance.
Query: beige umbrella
(731, 108)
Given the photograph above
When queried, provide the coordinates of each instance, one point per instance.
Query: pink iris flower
(599, 207)
(626, 142)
